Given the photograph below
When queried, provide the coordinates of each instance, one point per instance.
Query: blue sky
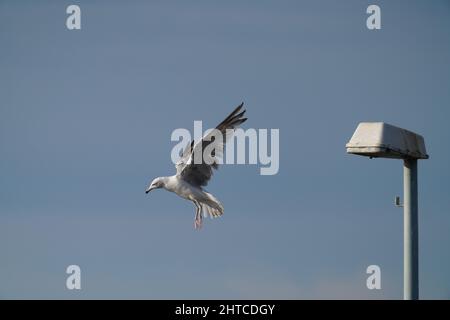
(85, 124)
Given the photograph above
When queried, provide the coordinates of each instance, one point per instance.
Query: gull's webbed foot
(198, 223)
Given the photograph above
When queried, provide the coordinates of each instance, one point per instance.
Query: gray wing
(199, 174)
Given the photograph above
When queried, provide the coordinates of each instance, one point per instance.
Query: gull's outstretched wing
(200, 173)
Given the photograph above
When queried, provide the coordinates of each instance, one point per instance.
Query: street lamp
(381, 140)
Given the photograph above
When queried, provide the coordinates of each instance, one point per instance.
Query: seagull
(192, 175)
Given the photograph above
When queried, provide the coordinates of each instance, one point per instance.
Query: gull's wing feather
(181, 163)
(200, 174)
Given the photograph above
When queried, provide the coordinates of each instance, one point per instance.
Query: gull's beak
(149, 189)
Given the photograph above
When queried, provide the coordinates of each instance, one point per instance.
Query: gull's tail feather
(212, 212)
(211, 206)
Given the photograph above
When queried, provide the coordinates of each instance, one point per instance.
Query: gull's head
(156, 184)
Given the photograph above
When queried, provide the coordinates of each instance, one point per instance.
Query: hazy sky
(85, 124)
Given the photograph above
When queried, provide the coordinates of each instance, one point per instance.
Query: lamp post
(381, 140)
(410, 231)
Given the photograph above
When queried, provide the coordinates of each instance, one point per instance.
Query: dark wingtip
(241, 121)
(236, 110)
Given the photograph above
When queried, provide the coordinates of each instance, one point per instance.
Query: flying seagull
(192, 175)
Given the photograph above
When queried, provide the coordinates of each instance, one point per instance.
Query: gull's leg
(198, 216)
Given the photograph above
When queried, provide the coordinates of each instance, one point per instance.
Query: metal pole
(410, 231)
